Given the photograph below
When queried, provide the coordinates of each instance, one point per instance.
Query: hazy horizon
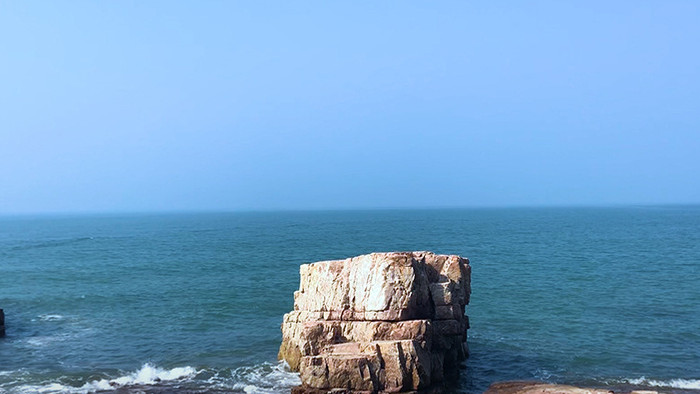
(205, 211)
(131, 107)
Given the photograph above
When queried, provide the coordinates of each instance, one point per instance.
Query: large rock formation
(379, 322)
(2, 323)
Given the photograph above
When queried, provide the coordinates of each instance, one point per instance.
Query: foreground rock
(546, 388)
(379, 322)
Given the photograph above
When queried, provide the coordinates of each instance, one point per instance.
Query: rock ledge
(525, 387)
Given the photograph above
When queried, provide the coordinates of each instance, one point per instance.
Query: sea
(193, 302)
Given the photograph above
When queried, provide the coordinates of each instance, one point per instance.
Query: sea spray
(264, 378)
(148, 374)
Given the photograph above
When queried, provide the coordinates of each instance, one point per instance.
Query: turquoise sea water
(589, 296)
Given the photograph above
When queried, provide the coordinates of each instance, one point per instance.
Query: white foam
(49, 388)
(673, 383)
(13, 377)
(147, 375)
(48, 317)
(543, 374)
(265, 378)
(42, 341)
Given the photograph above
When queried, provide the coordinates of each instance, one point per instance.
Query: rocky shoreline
(526, 387)
(533, 387)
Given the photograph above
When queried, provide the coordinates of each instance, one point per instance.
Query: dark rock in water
(389, 322)
(2, 323)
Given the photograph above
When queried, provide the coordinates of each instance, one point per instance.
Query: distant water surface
(595, 296)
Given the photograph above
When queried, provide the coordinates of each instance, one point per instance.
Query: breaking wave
(49, 317)
(691, 384)
(264, 378)
(147, 375)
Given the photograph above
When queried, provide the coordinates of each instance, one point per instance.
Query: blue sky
(217, 105)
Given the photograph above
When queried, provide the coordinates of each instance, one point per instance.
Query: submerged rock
(378, 322)
(518, 387)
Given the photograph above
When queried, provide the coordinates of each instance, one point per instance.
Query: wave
(147, 375)
(51, 243)
(40, 341)
(48, 317)
(693, 384)
(70, 334)
(264, 378)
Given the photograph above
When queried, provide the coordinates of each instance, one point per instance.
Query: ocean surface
(161, 303)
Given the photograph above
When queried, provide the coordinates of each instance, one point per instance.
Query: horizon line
(336, 209)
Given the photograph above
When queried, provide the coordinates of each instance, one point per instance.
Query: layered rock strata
(380, 322)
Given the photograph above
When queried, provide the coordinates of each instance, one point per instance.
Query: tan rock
(518, 387)
(379, 322)
(392, 285)
(390, 366)
(309, 338)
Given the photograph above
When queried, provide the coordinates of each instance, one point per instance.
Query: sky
(140, 106)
